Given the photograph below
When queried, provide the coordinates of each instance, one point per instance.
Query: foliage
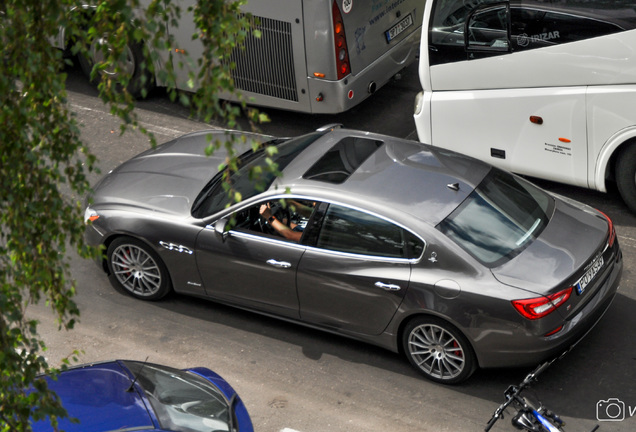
(45, 163)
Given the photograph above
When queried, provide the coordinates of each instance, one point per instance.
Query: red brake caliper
(458, 353)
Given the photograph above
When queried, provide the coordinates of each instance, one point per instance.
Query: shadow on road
(602, 366)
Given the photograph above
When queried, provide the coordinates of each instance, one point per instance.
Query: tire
(140, 78)
(437, 350)
(138, 269)
(626, 176)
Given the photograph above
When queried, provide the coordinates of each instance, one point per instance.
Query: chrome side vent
(265, 65)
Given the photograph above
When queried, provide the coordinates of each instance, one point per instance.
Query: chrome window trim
(367, 257)
(264, 238)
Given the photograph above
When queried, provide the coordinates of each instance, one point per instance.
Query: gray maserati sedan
(423, 251)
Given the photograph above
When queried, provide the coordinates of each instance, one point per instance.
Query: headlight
(90, 215)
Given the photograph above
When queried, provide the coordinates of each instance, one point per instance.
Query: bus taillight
(340, 41)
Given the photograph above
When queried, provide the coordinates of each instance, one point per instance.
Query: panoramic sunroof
(342, 160)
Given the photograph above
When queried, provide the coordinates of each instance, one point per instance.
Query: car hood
(168, 177)
(97, 395)
(569, 241)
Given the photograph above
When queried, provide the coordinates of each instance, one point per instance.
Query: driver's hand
(265, 211)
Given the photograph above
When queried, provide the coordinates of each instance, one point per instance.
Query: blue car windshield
(214, 197)
(182, 401)
(499, 219)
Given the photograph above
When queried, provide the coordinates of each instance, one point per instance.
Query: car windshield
(499, 219)
(214, 198)
(182, 401)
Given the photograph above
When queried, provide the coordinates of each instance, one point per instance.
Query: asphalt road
(296, 379)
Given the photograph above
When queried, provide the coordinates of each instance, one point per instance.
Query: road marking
(627, 241)
(149, 126)
(288, 430)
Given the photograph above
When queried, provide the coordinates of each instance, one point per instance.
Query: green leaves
(44, 163)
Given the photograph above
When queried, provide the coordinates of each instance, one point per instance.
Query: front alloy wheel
(138, 269)
(438, 350)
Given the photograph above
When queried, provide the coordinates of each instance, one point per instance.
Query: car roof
(401, 176)
(97, 395)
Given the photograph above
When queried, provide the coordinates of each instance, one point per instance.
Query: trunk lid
(547, 266)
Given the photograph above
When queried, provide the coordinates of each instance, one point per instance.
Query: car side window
(352, 231)
(283, 219)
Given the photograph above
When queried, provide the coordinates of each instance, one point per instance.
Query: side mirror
(221, 229)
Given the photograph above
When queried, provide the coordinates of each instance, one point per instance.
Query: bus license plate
(394, 31)
(589, 275)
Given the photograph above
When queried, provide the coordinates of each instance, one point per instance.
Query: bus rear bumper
(332, 97)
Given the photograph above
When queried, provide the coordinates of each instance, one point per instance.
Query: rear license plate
(394, 31)
(589, 275)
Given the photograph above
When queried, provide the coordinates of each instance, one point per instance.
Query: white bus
(314, 56)
(541, 88)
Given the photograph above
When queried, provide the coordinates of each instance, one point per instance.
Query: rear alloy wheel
(138, 269)
(438, 350)
(626, 176)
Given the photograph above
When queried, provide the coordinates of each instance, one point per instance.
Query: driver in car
(283, 225)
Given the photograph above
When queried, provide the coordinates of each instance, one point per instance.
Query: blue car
(127, 395)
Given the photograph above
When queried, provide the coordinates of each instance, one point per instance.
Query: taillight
(612, 230)
(340, 42)
(539, 307)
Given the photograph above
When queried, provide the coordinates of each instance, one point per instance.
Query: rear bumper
(528, 350)
(342, 95)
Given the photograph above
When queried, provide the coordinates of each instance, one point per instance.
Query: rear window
(182, 401)
(499, 219)
(342, 160)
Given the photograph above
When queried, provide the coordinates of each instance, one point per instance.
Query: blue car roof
(102, 398)
(97, 395)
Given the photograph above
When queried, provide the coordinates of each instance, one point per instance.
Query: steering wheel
(279, 212)
(265, 227)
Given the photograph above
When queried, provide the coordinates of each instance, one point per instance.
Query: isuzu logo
(175, 247)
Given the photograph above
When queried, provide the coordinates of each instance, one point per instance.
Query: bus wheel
(134, 66)
(626, 176)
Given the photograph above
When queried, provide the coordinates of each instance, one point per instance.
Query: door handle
(278, 264)
(388, 287)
